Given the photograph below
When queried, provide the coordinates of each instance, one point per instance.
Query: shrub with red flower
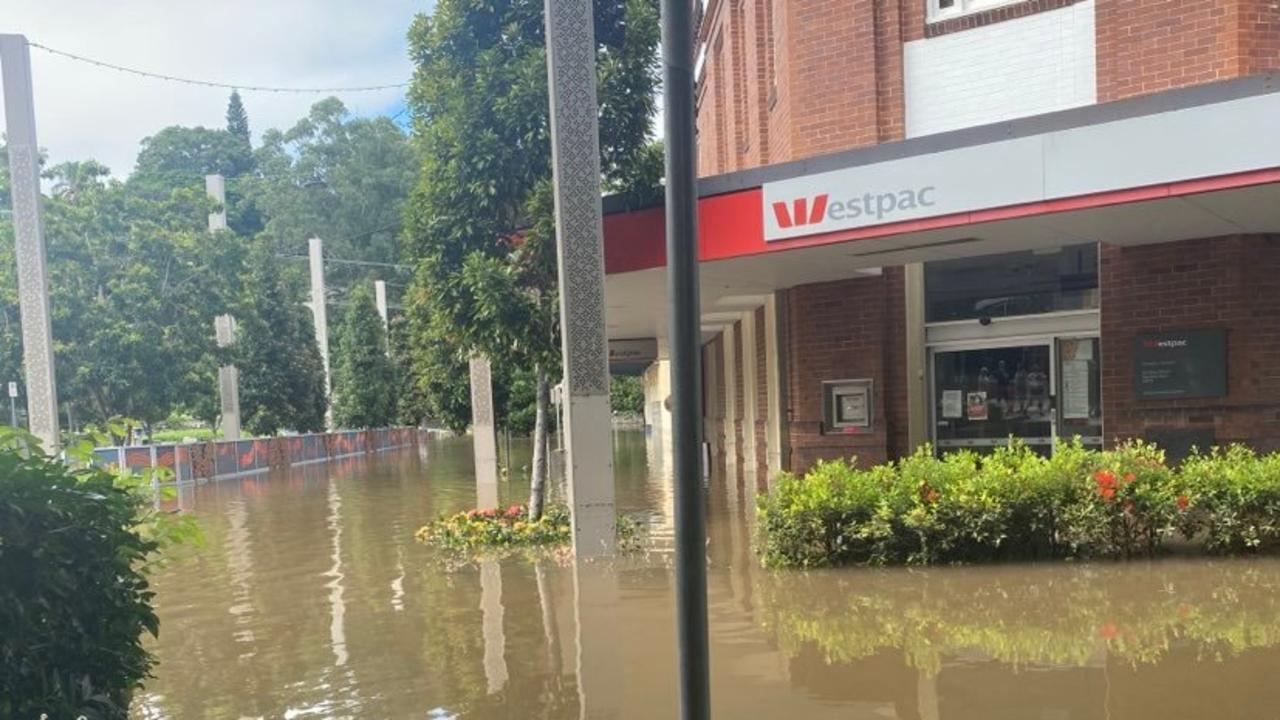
(1184, 502)
(1106, 482)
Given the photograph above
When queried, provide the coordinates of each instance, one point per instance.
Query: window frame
(961, 8)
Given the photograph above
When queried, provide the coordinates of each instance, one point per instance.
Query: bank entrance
(1014, 352)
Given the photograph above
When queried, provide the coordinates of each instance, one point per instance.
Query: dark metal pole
(684, 329)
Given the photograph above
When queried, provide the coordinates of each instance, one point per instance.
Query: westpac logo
(878, 206)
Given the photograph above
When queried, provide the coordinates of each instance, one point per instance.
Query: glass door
(983, 396)
(1079, 390)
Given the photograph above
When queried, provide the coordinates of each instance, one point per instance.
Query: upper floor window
(944, 9)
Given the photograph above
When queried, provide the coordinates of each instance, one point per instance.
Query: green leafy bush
(74, 600)
(1016, 504)
(487, 531)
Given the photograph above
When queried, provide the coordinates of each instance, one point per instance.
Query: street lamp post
(684, 329)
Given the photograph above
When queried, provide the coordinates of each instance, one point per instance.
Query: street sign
(13, 389)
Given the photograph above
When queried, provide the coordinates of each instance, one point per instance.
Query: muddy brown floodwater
(311, 599)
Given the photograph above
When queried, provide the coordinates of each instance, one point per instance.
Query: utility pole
(380, 299)
(684, 329)
(13, 404)
(321, 315)
(33, 278)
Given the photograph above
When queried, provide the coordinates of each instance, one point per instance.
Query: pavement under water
(310, 599)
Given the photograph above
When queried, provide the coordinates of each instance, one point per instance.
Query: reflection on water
(311, 599)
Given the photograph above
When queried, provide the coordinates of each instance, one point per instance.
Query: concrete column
(380, 299)
(749, 377)
(917, 357)
(224, 327)
(656, 383)
(215, 186)
(484, 436)
(776, 388)
(320, 313)
(713, 408)
(33, 278)
(575, 152)
(730, 372)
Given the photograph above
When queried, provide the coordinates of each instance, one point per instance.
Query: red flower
(515, 511)
(1107, 493)
(1129, 477)
(1183, 502)
(1106, 481)
(1108, 631)
(931, 496)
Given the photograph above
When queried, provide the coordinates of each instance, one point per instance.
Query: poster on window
(952, 404)
(976, 403)
(1075, 390)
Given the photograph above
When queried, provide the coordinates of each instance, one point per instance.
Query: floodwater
(311, 599)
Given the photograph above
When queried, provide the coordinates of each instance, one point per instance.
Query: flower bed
(500, 530)
(508, 528)
(1015, 504)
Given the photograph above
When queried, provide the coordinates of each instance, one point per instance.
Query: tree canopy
(364, 380)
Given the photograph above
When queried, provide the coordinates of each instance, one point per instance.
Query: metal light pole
(684, 328)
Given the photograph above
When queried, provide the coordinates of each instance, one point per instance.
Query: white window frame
(960, 8)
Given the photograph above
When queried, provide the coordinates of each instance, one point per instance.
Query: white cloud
(84, 111)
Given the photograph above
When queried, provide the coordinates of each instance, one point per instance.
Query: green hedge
(1015, 504)
(73, 598)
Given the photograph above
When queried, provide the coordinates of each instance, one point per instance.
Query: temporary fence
(229, 458)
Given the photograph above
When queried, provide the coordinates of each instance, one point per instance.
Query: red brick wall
(1213, 283)
(762, 395)
(842, 330)
(738, 385)
(1145, 46)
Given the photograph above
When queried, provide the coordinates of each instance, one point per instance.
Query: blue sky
(84, 111)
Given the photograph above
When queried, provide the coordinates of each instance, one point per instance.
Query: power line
(215, 83)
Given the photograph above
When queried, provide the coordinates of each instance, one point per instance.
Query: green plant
(484, 532)
(74, 600)
(1017, 504)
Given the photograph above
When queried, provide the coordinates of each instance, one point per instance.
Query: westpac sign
(909, 188)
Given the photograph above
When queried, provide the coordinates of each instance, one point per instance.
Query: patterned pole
(33, 279)
(575, 151)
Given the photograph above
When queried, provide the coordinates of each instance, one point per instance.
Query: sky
(83, 111)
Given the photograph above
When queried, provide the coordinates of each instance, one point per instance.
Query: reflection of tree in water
(1137, 614)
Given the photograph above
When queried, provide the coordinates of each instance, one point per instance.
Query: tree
(237, 118)
(364, 378)
(281, 371)
(479, 223)
(340, 178)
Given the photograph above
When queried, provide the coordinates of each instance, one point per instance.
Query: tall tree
(364, 380)
(281, 370)
(237, 118)
(480, 221)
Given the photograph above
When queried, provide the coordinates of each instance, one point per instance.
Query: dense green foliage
(626, 394)
(281, 370)
(1016, 504)
(73, 601)
(1047, 615)
(136, 278)
(364, 378)
(480, 223)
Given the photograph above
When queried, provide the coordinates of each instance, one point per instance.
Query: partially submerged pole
(684, 329)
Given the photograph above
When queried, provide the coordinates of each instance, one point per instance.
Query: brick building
(956, 221)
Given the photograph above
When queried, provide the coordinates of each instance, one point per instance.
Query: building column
(320, 313)
(729, 343)
(775, 385)
(33, 278)
(749, 409)
(484, 438)
(224, 327)
(917, 357)
(711, 427)
(656, 383)
(575, 156)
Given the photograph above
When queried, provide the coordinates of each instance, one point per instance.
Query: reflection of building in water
(495, 639)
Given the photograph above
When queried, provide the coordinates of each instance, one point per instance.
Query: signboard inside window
(847, 405)
(1181, 364)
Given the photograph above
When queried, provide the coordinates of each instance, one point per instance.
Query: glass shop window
(1018, 283)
